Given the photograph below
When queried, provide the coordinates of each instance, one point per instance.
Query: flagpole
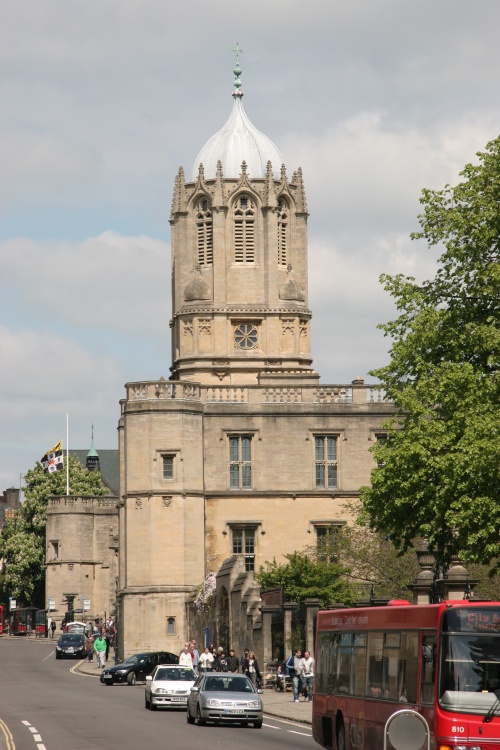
(67, 454)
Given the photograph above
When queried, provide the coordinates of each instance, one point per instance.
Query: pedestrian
(251, 668)
(196, 655)
(206, 661)
(185, 658)
(89, 646)
(293, 669)
(245, 656)
(52, 628)
(107, 638)
(222, 663)
(307, 675)
(100, 650)
(233, 663)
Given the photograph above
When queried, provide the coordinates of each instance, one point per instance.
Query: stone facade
(241, 451)
(82, 554)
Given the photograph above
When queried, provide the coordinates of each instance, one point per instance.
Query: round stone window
(245, 336)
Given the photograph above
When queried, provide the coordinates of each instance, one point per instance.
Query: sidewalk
(276, 704)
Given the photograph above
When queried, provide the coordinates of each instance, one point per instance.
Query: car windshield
(71, 638)
(135, 659)
(229, 684)
(166, 673)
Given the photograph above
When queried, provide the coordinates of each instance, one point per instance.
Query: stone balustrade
(280, 394)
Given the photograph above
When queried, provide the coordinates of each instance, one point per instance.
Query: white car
(168, 686)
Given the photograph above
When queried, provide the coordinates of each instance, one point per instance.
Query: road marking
(32, 729)
(37, 738)
(74, 669)
(302, 733)
(48, 657)
(9, 740)
(270, 726)
(26, 723)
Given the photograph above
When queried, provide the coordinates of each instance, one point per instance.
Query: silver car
(224, 698)
(168, 686)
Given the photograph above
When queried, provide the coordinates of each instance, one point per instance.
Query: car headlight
(213, 703)
(253, 704)
(160, 691)
(121, 671)
(58, 648)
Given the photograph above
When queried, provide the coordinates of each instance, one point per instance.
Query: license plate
(179, 700)
(234, 711)
(108, 677)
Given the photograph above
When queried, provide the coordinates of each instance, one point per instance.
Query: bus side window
(408, 667)
(428, 668)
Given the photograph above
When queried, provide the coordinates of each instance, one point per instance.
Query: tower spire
(92, 456)
(237, 71)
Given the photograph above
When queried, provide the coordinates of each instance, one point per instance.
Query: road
(46, 705)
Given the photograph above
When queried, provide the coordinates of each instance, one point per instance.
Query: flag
(53, 460)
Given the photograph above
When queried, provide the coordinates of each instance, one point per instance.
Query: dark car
(70, 644)
(137, 667)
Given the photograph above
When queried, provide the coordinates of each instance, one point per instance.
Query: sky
(103, 100)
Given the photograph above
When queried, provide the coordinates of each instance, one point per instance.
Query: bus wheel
(340, 735)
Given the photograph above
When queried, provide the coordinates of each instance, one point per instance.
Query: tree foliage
(307, 575)
(438, 473)
(374, 565)
(22, 539)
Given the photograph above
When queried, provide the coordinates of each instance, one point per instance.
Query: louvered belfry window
(282, 233)
(244, 230)
(204, 233)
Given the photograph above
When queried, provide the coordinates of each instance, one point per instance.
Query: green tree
(438, 472)
(307, 575)
(375, 564)
(22, 540)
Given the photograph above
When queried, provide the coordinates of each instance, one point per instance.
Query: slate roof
(109, 466)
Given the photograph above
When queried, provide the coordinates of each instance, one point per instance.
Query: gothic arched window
(244, 230)
(204, 233)
(283, 219)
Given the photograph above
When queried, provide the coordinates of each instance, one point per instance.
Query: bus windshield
(470, 670)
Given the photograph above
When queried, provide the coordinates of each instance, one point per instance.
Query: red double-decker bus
(441, 660)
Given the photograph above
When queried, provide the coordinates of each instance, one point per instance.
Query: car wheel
(152, 706)
(131, 678)
(146, 702)
(199, 718)
(58, 656)
(189, 718)
(258, 724)
(341, 736)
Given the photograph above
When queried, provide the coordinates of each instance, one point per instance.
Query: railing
(163, 390)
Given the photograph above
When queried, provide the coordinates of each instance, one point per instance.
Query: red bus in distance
(441, 660)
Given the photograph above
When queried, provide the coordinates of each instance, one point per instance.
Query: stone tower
(241, 452)
(239, 261)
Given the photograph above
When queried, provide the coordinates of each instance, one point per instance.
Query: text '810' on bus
(441, 660)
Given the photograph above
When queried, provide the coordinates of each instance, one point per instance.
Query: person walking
(206, 661)
(100, 650)
(89, 646)
(185, 658)
(307, 675)
(293, 668)
(195, 654)
(52, 628)
(233, 663)
(250, 668)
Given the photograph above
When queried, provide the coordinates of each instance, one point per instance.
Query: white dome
(236, 142)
